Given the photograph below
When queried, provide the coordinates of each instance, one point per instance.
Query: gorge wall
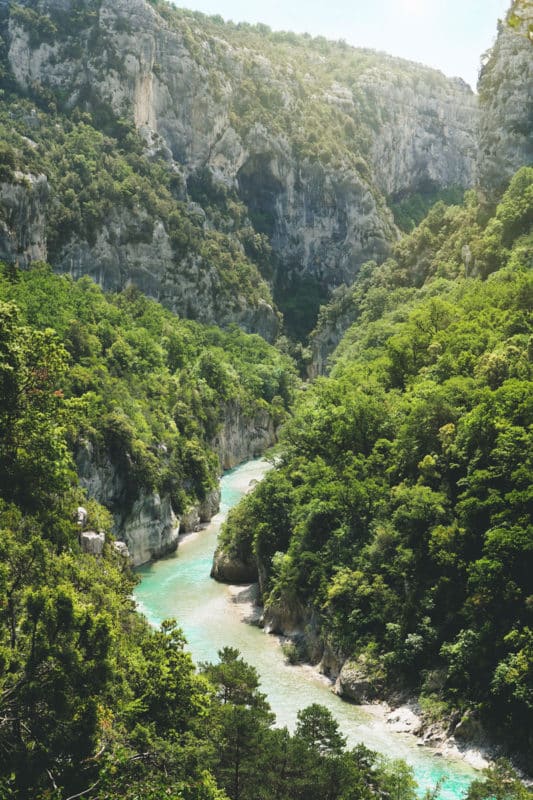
(506, 121)
(146, 519)
(311, 138)
(23, 200)
(504, 143)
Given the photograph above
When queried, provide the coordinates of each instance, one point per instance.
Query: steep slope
(504, 143)
(506, 95)
(394, 537)
(94, 701)
(157, 406)
(313, 137)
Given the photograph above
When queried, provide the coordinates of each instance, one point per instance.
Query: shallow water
(180, 587)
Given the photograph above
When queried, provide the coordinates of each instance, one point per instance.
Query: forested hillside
(148, 402)
(396, 527)
(93, 702)
(178, 197)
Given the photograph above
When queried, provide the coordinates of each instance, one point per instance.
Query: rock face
(202, 512)
(469, 729)
(151, 528)
(427, 131)
(23, 219)
(506, 100)
(92, 542)
(229, 569)
(322, 222)
(191, 289)
(313, 159)
(210, 505)
(145, 520)
(243, 437)
(355, 684)
(334, 320)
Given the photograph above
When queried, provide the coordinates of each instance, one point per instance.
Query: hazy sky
(448, 34)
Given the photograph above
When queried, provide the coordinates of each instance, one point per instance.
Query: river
(180, 587)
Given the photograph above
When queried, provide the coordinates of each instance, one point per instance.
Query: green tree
(318, 728)
(500, 782)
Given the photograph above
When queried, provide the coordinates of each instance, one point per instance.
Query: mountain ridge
(311, 138)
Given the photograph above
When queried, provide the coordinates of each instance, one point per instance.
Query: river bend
(180, 587)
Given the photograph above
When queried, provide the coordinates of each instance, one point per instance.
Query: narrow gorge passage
(180, 587)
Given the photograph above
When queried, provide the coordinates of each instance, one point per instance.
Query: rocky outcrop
(231, 569)
(150, 527)
(99, 477)
(23, 202)
(121, 548)
(470, 729)
(333, 322)
(356, 683)
(506, 101)
(426, 135)
(322, 222)
(92, 542)
(210, 505)
(145, 520)
(243, 435)
(132, 248)
(193, 517)
(284, 619)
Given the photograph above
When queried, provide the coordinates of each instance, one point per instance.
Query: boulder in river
(355, 683)
(231, 569)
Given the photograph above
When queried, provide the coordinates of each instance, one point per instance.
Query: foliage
(399, 510)
(410, 211)
(500, 783)
(149, 391)
(93, 702)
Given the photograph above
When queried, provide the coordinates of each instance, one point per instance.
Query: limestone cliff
(504, 144)
(313, 156)
(506, 101)
(145, 519)
(118, 256)
(426, 136)
(243, 436)
(334, 320)
(23, 218)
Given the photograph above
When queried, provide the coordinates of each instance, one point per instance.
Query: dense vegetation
(398, 516)
(148, 391)
(93, 702)
(399, 512)
(410, 211)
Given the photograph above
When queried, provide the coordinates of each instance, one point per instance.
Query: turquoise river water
(180, 587)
